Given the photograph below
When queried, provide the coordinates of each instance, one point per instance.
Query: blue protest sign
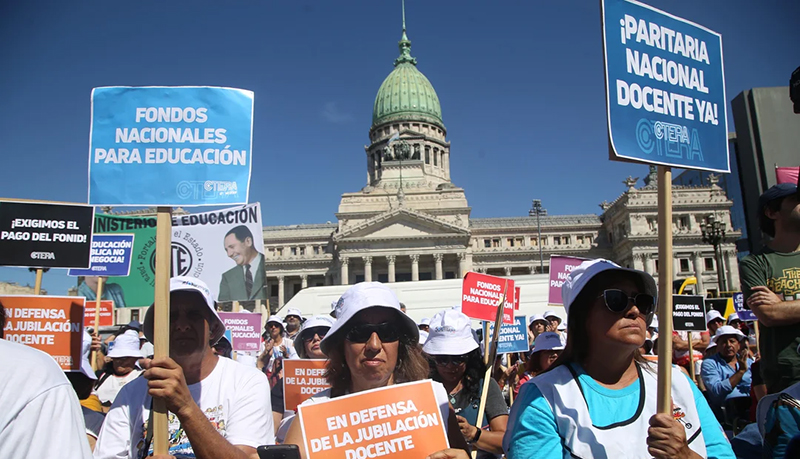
(738, 305)
(513, 338)
(111, 256)
(170, 146)
(665, 88)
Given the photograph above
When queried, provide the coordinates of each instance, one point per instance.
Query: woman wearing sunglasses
(308, 339)
(547, 349)
(372, 345)
(599, 398)
(458, 365)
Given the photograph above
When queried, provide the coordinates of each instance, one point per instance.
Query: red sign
(106, 313)
(516, 298)
(481, 293)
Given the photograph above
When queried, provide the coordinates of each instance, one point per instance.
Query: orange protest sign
(106, 314)
(53, 324)
(301, 380)
(403, 421)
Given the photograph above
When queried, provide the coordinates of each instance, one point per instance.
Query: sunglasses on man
(387, 332)
(617, 301)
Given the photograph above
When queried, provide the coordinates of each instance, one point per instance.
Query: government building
(410, 222)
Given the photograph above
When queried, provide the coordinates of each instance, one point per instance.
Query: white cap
(733, 316)
(580, 276)
(359, 297)
(547, 341)
(713, 315)
(425, 321)
(534, 318)
(86, 351)
(549, 314)
(728, 330)
(294, 312)
(126, 345)
(423, 337)
(276, 319)
(562, 326)
(188, 284)
(449, 334)
(316, 321)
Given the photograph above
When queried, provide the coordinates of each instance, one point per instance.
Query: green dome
(406, 94)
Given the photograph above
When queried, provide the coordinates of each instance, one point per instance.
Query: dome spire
(404, 44)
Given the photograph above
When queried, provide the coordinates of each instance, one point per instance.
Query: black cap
(778, 191)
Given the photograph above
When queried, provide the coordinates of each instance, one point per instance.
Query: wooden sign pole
(491, 351)
(161, 321)
(236, 307)
(691, 357)
(99, 296)
(665, 268)
(37, 287)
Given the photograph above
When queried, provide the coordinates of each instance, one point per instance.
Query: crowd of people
(587, 387)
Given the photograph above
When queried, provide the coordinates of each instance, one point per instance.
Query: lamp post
(537, 210)
(713, 232)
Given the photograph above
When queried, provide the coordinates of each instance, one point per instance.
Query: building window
(134, 314)
(544, 241)
(511, 242)
(435, 156)
(487, 243)
(556, 240)
(449, 275)
(495, 242)
(684, 265)
(273, 290)
(294, 251)
(580, 240)
(520, 241)
(652, 223)
(279, 251)
(709, 264)
(534, 241)
(427, 155)
(622, 230)
(683, 222)
(566, 240)
(302, 250)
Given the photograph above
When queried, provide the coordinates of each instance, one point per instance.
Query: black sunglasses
(618, 301)
(443, 360)
(387, 332)
(308, 334)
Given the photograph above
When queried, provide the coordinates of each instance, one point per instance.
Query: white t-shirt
(40, 416)
(108, 391)
(235, 399)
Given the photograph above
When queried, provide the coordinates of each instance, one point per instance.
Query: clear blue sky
(520, 83)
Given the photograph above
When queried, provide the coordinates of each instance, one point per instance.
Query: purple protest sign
(560, 267)
(245, 329)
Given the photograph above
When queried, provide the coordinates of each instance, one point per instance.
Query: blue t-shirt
(532, 430)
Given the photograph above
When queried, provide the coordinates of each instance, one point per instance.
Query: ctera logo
(182, 260)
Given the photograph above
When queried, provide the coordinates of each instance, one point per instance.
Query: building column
(345, 274)
(650, 265)
(697, 266)
(462, 264)
(304, 281)
(508, 270)
(438, 259)
(532, 269)
(367, 269)
(730, 281)
(281, 292)
(414, 267)
(639, 262)
(391, 259)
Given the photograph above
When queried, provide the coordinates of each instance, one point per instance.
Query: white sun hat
(562, 326)
(423, 337)
(580, 277)
(294, 312)
(449, 334)
(731, 317)
(713, 315)
(316, 321)
(549, 314)
(189, 284)
(547, 341)
(654, 323)
(86, 351)
(536, 317)
(126, 345)
(359, 297)
(728, 330)
(425, 321)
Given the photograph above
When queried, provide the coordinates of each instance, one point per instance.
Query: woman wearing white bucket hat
(599, 398)
(547, 349)
(458, 365)
(371, 345)
(122, 368)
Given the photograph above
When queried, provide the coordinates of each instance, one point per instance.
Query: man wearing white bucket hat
(537, 325)
(458, 365)
(218, 408)
(424, 324)
(122, 368)
(294, 320)
(726, 374)
(373, 344)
